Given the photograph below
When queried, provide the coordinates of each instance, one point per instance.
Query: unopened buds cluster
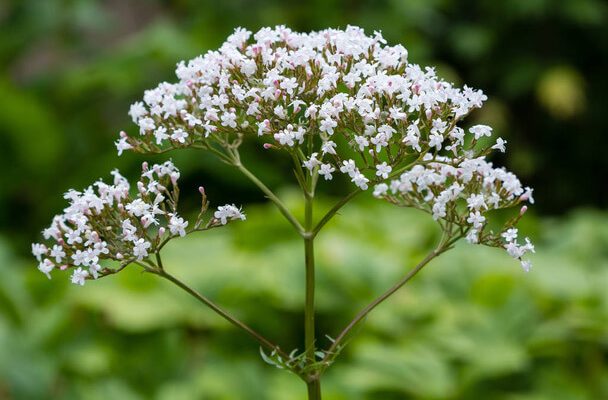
(109, 222)
(339, 102)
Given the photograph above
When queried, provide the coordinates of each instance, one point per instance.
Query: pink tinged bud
(277, 94)
(201, 190)
(119, 256)
(268, 146)
(63, 267)
(429, 114)
(144, 166)
(141, 187)
(120, 207)
(123, 134)
(523, 210)
(161, 231)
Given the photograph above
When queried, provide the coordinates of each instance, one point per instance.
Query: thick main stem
(314, 389)
(312, 382)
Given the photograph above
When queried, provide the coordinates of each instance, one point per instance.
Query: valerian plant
(336, 103)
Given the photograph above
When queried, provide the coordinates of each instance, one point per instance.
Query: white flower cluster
(459, 193)
(106, 222)
(337, 101)
(352, 102)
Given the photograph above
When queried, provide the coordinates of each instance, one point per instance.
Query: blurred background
(472, 326)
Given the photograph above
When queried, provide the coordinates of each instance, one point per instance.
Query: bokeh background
(471, 326)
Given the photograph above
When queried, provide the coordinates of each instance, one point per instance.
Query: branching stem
(442, 247)
(271, 196)
(224, 314)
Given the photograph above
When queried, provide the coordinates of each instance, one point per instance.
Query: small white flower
(228, 212)
(279, 111)
(160, 134)
(500, 145)
(326, 170)
(476, 219)
(380, 190)
(435, 140)
(328, 125)
(328, 147)
(57, 253)
(312, 162)
(140, 248)
(229, 119)
(79, 276)
(38, 250)
(514, 250)
(360, 180)
(480, 131)
(472, 236)
(138, 207)
(122, 144)
(46, 267)
(179, 135)
(476, 202)
(383, 170)
(362, 142)
(177, 225)
(349, 167)
(79, 258)
(527, 196)
(248, 67)
(510, 234)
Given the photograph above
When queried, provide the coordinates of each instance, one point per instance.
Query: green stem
(314, 389)
(443, 246)
(313, 383)
(261, 339)
(328, 216)
(271, 196)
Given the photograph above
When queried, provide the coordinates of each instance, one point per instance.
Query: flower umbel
(338, 100)
(107, 222)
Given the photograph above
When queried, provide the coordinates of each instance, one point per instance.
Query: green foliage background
(471, 326)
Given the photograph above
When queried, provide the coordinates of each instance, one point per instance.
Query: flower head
(339, 100)
(302, 90)
(109, 222)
